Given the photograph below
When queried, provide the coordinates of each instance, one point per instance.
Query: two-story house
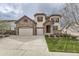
(41, 25)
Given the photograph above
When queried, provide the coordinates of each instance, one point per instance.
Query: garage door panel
(39, 31)
(25, 31)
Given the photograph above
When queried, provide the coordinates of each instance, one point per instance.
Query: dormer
(40, 18)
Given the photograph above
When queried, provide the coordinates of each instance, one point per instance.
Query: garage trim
(25, 31)
(40, 32)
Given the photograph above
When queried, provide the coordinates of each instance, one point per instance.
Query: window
(48, 29)
(52, 20)
(25, 20)
(57, 20)
(39, 19)
(55, 27)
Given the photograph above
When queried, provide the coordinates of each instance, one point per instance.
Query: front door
(48, 29)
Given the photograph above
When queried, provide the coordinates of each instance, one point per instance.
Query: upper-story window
(39, 19)
(52, 20)
(25, 20)
(57, 19)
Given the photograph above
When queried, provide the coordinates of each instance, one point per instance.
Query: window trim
(39, 19)
(57, 20)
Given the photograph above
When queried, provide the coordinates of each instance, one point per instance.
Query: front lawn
(62, 44)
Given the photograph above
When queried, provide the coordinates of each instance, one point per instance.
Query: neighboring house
(7, 27)
(10, 24)
(41, 25)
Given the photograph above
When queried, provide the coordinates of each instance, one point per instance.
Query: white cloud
(7, 9)
(13, 11)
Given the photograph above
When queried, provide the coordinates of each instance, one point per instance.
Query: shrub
(46, 36)
(74, 37)
(11, 32)
(61, 35)
(51, 35)
(65, 35)
(6, 35)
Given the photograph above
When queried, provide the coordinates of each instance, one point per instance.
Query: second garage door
(26, 31)
(39, 31)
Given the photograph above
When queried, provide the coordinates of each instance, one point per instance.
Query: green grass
(62, 44)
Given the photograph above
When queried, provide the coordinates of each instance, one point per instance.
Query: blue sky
(14, 11)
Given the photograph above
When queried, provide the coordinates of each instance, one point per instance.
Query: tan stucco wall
(40, 24)
(56, 24)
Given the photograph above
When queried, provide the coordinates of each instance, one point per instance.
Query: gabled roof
(25, 17)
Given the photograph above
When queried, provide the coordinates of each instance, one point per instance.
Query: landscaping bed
(62, 44)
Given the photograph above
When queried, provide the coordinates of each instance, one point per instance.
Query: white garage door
(39, 31)
(26, 31)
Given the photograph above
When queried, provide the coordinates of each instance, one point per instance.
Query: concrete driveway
(23, 45)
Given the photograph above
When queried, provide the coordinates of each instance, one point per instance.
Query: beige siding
(25, 24)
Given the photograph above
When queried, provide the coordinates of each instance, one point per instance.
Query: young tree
(71, 12)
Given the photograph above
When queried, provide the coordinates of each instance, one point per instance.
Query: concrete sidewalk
(63, 54)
